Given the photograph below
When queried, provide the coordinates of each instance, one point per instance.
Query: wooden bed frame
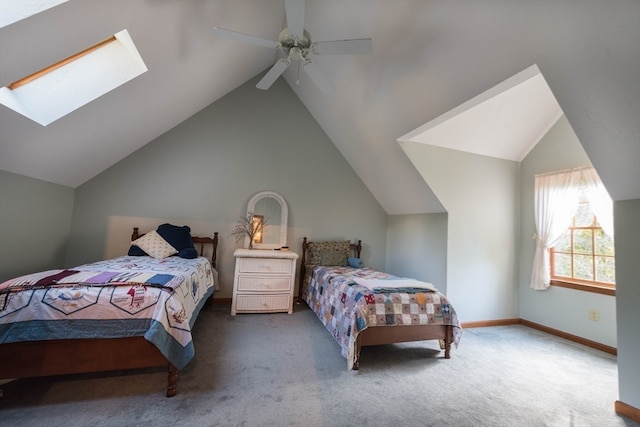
(74, 356)
(379, 335)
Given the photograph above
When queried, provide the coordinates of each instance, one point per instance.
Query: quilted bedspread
(121, 297)
(346, 308)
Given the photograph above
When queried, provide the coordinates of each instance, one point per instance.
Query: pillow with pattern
(329, 253)
(337, 258)
(154, 245)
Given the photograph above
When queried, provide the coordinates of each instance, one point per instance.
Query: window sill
(583, 287)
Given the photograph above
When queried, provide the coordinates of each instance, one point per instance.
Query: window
(55, 91)
(574, 232)
(584, 256)
(15, 10)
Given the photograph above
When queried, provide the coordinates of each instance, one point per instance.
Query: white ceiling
(432, 60)
(506, 121)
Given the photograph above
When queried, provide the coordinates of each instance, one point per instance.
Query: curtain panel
(555, 203)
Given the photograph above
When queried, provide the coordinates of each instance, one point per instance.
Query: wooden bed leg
(447, 342)
(172, 387)
(447, 349)
(356, 362)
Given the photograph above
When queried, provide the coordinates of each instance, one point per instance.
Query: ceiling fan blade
(275, 72)
(317, 77)
(234, 35)
(343, 47)
(295, 17)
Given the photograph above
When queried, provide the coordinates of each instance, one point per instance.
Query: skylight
(15, 10)
(57, 90)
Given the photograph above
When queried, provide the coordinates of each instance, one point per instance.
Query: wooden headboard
(356, 249)
(198, 242)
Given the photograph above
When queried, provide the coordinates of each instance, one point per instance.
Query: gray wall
(417, 247)
(559, 308)
(626, 214)
(203, 172)
(480, 195)
(35, 217)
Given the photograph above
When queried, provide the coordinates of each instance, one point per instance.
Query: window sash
(573, 253)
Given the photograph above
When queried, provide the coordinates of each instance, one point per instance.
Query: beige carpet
(286, 370)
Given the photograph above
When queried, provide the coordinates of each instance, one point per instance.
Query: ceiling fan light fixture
(297, 53)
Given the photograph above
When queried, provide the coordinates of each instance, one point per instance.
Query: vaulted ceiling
(433, 62)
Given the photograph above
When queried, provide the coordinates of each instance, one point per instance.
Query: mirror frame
(284, 216)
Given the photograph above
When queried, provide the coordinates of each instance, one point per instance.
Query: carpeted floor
(286, 370)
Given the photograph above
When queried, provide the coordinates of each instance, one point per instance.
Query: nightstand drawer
(257, 283)
(276, 302)
(264, 265)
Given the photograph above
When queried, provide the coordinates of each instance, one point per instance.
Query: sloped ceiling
(519, 111)
(429, 58)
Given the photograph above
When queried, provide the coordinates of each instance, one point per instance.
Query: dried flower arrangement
(249, 226)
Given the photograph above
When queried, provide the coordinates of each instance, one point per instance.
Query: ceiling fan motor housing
(288, 41)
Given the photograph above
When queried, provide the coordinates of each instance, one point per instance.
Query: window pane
(605, 269)
(582, 242)
(584, 216)
(564, 244)
(583, 267)
(562, 264)
(604, 244)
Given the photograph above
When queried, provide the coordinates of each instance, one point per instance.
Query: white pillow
(154, 245)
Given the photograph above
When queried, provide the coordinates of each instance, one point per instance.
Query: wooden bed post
(303, 262)
(172, 381)
(214, 256)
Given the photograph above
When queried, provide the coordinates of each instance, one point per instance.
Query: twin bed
(138, 311)
(134, 311)
(363, 307)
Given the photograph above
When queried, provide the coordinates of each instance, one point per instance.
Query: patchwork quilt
(121, 297)
(346, 308)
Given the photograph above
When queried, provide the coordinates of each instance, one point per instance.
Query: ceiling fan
(296, 44)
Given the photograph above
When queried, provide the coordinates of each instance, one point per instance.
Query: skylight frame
(61, 88)
(12, 11)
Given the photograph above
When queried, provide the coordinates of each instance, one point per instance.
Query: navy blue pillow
(188, 253)
(136, 251)
(178, 237)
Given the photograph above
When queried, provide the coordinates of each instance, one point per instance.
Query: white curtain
(599, 200)
(556, 200)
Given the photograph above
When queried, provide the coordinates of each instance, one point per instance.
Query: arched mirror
(269, 206)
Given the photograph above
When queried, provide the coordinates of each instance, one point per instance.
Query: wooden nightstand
(264, 281)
